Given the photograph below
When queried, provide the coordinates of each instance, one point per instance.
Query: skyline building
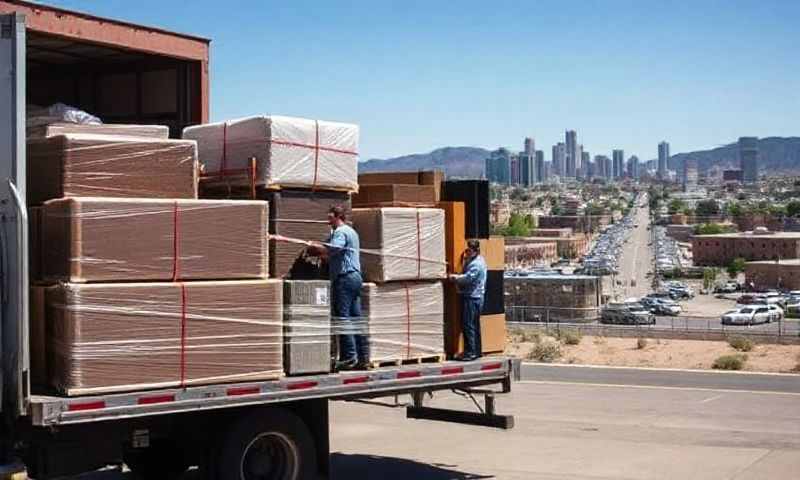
(572, 153)
(689, 176)
(585, 170)
(633, 167)
(663, 158)
(541, 170)
(527, 170)
(498, 166)
(618, 163)
(748, 159)
(559, 159)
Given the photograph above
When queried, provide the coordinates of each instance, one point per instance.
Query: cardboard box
(454, 228)
(63, 128)
(306, 326)
(493, 333)
(404, 320)
(428, 177)
(115, 239)
(84, 165)
(117, 337)
(493, 250)
(401, 243)
(395, 195)
(289, 152)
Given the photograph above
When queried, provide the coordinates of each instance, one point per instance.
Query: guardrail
(587, 320)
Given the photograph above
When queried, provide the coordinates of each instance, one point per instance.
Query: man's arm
(469, 277)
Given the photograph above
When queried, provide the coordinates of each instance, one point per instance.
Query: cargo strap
(408, 320)
(176, 243)
(183, 335)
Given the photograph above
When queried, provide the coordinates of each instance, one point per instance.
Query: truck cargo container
(132, 74)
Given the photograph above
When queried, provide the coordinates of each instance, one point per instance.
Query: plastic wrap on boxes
(127, 130)
(117, 239)
(117, 337)
(404, 320)
(302, 216)
(401, 243)
(306, 326)
(83, 165)
(289, 152)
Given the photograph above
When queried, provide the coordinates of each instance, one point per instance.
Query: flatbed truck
(271, 429)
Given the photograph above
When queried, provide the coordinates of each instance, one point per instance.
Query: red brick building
(551, 232)
(568, 247)
(531, 254)
(767, 275)
(720, 250)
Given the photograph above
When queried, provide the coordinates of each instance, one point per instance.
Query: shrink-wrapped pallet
(401, 243)
(117, 239)
(289, 152)
(84, 165)
(306, 326)
(127, 130)
(116, 337)
(299, 215)
(404, 320)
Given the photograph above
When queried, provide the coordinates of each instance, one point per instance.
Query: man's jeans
(347, 321)
(471, 325)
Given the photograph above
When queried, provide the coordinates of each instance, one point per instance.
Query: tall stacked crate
(302, 167)
(139, 269)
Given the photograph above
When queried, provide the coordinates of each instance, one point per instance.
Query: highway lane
(712, 380)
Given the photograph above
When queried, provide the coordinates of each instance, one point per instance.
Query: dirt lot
(693, 354)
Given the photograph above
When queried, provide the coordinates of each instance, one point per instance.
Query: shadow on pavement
(367, 467)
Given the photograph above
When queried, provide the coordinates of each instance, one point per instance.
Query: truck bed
(52, 410)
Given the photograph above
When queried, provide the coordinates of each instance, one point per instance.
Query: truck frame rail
(53, 411)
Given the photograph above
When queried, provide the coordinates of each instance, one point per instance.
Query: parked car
(667, 307)
(776, 313)
(749, 315)
(727, 287)
(626, 314)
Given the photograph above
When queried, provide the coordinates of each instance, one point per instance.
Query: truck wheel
(163, 460)
(271, 444)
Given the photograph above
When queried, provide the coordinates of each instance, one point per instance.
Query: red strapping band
(316, 154)
(419, 249)
(224, 163)
(183, 335)
(408, 321)
(176, 243)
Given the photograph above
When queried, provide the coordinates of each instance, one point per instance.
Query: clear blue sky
(417, 75)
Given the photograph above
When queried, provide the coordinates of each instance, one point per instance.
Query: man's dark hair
(338, 212)
(474, 245)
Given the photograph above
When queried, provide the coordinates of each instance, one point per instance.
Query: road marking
(711, 399)
(656, 369)
(659, 387)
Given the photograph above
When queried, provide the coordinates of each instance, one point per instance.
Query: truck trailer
(278, 429)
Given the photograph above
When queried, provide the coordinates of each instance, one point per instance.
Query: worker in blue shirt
(342, 251)
(471, 286)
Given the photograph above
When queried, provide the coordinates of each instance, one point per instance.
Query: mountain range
(777, 155)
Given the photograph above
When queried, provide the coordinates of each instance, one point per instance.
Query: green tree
(736, 267)
(793, 208)
(734, 209)
(676, 206)
(710, 277)
(518, 226)
(710, 229)
(707, 208)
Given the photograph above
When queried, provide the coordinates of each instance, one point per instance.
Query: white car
(776, 313)
(749, 315)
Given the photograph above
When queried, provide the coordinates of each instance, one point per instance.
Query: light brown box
(116, 337)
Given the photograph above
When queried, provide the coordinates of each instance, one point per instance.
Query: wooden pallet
(407, 361)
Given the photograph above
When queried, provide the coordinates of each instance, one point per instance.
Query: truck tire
(163, 460)
(269, 444)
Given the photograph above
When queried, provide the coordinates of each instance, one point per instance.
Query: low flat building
(720, 250)
(567, 247)
(553, 298)
(551, 232)
(681, 233)
(532, 254)
(771, 275)
(578, 223)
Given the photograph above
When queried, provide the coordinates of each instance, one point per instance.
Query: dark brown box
(394, 196)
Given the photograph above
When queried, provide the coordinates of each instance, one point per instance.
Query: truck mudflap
(407, 379)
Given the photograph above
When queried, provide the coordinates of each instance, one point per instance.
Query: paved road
(634, 262)
(579, 423)
(662, 378)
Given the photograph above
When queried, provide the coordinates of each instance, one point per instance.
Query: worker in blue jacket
(471, 286)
